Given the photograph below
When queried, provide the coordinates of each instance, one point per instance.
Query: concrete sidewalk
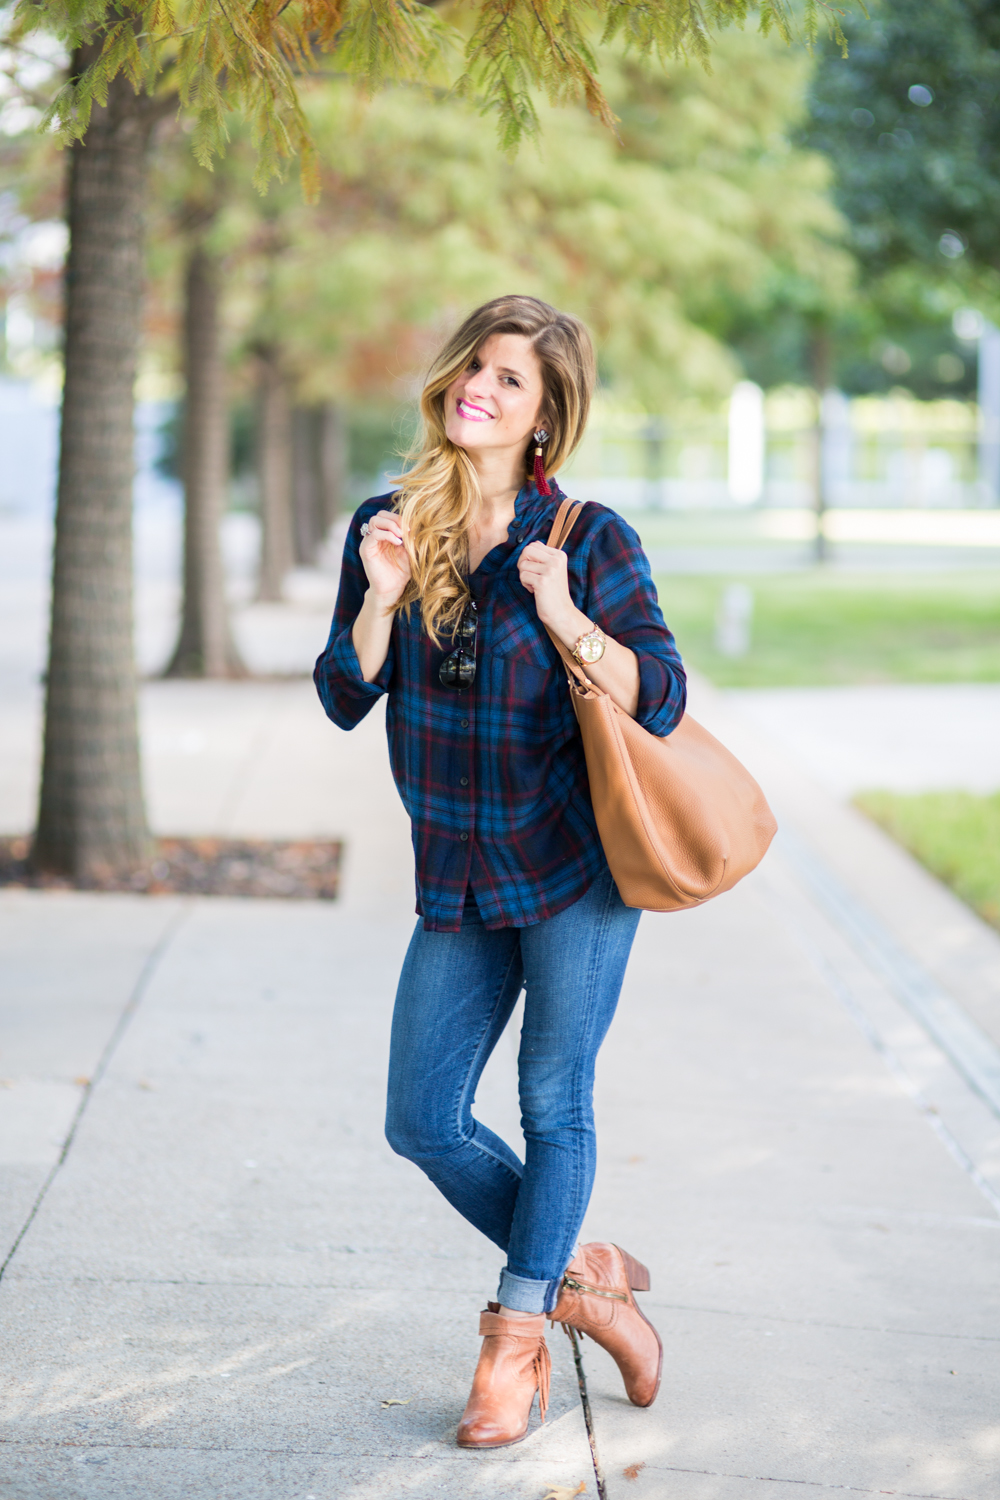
(799, 1116)
(904, 737)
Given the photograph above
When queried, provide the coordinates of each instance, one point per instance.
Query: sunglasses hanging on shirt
(458, 670)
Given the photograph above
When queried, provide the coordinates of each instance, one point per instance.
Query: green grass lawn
(827, 626)
(956, 835)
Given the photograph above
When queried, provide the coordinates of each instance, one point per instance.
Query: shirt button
(520, 536)
(464, 837)
(465, 723)
(463, 781)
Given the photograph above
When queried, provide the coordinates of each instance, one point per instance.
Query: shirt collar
(530, 506)
(530, 511)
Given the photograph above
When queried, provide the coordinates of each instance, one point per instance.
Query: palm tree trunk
(91, 818)
(274, 472)
(206, 647)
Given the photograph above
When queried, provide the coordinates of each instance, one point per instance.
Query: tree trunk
(307, 482)
(333, 462)
(206, 647)
(274, 473)
(319, 475)
(91, 819)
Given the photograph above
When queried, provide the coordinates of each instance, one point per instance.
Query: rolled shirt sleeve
(622, 600)
(343, 691)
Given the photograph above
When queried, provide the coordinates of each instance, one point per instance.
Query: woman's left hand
(544, 573)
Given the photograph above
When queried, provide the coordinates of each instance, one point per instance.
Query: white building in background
(29, 450)
(747, 443)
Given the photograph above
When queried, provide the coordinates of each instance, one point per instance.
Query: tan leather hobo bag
(680, 819)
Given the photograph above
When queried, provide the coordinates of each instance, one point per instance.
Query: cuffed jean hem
(522, 1295)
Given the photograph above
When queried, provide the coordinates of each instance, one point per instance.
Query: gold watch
(590, 647)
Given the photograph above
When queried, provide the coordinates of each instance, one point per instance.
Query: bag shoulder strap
(566, 518)
(564, 522)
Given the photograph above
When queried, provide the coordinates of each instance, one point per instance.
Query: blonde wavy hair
(439, 495)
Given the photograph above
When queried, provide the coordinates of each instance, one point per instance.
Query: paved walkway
(230, 1273)
(902, 737)
(222, 1272)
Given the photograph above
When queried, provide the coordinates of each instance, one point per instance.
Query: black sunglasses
(459, 669)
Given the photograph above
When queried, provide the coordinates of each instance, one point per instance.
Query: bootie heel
(638, 1275)
(513, 1364)
(597, 1299)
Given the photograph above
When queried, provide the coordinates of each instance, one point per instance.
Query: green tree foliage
(773, 266)
(247, 55)
(911, 125)
(911, 121)
(659, 236)
(133, 62)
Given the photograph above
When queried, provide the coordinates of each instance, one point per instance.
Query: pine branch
(246, 55)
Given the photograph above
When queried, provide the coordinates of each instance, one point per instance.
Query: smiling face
(495, 403)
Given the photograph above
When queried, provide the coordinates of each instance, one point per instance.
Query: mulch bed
(294, 870)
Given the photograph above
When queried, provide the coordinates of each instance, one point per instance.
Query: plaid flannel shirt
(494, 777)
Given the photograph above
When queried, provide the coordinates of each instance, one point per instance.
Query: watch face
(591, 648)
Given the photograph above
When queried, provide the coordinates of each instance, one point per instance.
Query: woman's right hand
(384, 558)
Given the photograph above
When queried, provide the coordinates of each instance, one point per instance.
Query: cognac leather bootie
(596, 1299)
(513, 1365)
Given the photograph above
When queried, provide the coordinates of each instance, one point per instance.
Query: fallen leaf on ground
(563, 1491)
(632, 1472)
(393, 1402)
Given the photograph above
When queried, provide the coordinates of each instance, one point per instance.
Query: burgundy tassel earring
(544, 488)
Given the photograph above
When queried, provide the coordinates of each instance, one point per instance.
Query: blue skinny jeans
(456, 994)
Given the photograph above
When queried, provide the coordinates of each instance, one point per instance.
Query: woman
(447, 589)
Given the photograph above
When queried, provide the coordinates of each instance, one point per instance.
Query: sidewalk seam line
(148, 969)
(858, 1015)
(971, 1051)
(849, 917)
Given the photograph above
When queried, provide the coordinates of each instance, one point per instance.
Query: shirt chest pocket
(517, 635)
